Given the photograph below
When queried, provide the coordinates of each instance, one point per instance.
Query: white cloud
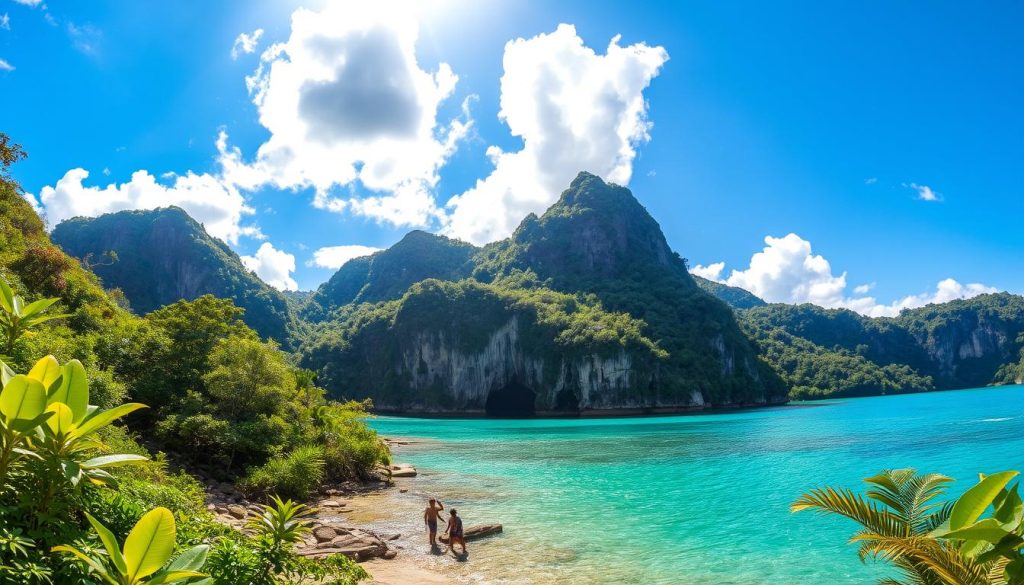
(246, 43)
(348, 106)
(218, 206)
(925, 193)
(335, 257)
(29, 2)
(712, 271)
(5, 66)
(786, 271)
(575, 110)
(5, 21)
(273, 266)
(863, 289)
(870, 180)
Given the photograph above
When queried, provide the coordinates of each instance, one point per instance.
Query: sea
(693, 499)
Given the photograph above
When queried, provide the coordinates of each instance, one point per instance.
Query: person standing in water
(430, 517)
(455, 531)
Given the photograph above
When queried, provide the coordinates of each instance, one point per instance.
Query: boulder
(236, 511)
(403, 470)
(324, 533)
(331, 504)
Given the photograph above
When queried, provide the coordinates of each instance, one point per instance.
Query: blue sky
(761, 120)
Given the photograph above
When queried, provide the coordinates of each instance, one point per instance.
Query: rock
(476, 532)
(236, 511)
(358, 552)
(331, 504)
(390, 554)
(211, 507)
(403, 470)
(324, 533)
(403, 490)
(394, 536)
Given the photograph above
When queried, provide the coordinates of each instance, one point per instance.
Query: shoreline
(378, 519)
(604, 413)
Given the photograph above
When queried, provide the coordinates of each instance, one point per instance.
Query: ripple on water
(686, 500)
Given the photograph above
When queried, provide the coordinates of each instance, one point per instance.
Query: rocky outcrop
(505, 378)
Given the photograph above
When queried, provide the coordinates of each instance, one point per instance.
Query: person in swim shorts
(430, 517)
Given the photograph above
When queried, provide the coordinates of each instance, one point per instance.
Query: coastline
(382, 521)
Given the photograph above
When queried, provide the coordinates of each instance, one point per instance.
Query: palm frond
(929, 558)
(853, 506)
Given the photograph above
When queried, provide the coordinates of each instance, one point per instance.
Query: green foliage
(350, 447)
(295, 475)
(812, 371)
(144, 558)
(157, 257)
(268, 558)
(733, 296)
(63, 460)
(18, 318)
(356, 356)
(828, 352)
(930, 541)
(387, 274)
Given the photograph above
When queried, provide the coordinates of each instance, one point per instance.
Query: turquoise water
(697, 499)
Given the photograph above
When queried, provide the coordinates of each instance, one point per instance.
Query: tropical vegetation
(87, 472)
(976, 539)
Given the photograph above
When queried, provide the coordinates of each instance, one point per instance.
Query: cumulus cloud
(5, 66)
(347, 105)
(335, 257)
(575, 110)
(246, 43)
(273, 266)
(786, 271)
(712, 271)
(5, 21)
(219, 207)
(925, 193)
(29, 2)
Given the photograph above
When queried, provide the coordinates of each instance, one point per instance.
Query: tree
(10, 153)
(930, 542)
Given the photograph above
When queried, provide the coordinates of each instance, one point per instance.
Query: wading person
(455, 531)
(430, 517)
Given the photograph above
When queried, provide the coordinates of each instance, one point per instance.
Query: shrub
(295, 475)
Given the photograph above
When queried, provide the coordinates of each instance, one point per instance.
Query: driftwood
(476, 532)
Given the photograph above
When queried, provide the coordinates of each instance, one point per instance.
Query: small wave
(997, 419)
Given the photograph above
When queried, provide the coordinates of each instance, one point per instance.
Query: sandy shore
(398, 509)
(401, 570)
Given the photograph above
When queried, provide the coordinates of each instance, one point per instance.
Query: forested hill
(583, 308)
(161, 256)
(959, 344)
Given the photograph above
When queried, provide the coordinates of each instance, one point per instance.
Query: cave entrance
(513, 400)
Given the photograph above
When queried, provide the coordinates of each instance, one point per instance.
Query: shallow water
(695, 499)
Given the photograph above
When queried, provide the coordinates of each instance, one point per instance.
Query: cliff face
(584, 308)
(163, 256)
(960, 344)
(505, 378)
(968, 341)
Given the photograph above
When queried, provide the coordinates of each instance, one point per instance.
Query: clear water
(696, 499)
